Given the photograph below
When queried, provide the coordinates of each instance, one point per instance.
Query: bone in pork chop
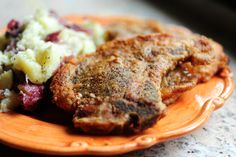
(119, 89)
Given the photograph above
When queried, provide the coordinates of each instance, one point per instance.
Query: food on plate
(35, 48)
(127, 27)
(115, 75)
(8, 100)
(119, 89)
(42, 44)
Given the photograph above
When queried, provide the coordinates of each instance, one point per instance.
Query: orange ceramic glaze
(49, 132)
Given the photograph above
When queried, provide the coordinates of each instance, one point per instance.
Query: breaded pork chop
(179, 79)
(127, 27)
(119, 89)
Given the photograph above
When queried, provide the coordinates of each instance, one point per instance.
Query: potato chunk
(6, 79)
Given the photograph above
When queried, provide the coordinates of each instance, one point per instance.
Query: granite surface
(217, 138)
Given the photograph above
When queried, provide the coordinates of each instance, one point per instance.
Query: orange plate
(49, 132)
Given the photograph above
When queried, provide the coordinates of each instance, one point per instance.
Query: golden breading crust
(119, 89)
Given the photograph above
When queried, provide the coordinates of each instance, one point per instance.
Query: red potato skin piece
(30, 95)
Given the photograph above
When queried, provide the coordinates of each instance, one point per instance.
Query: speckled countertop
(217, 138)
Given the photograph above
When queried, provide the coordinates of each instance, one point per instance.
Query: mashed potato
(38, 58)
(8, 100)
